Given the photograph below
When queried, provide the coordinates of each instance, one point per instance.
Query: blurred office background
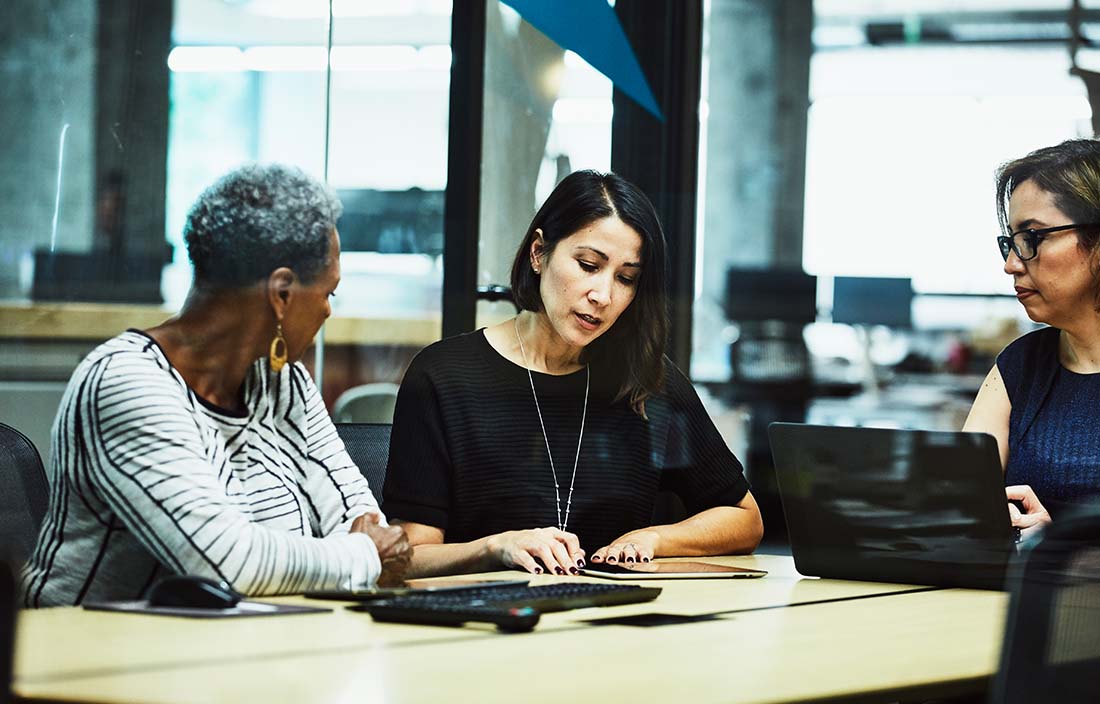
(823, 170)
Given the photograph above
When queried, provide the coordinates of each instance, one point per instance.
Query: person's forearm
(723, 530)
(434, 559)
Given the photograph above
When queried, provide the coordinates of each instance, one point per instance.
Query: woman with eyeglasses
(542, 442)
(1041, 400)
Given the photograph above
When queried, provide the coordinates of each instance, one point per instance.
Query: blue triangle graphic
(590, 29)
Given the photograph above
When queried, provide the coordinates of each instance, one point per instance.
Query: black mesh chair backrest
(368, 444)
(7, 628)
(24, 493)
(1052, 641)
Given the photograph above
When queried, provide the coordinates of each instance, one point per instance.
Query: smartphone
(669, 570)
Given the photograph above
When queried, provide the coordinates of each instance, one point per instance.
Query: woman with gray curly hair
(201, 446)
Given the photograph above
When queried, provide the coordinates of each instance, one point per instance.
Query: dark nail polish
(645, 559)
(559, 570)
(538, 570)
(611, 559)
(630, 559)
(580, 563)
(574, 570)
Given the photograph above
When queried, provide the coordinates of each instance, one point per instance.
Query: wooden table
(780, 638)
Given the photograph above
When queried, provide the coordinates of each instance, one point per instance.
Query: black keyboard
(510, 607)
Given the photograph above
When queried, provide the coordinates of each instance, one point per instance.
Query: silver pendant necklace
(584, 414)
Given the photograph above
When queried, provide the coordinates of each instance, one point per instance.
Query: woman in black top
(531, 442)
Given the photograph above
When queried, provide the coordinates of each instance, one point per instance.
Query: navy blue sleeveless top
(1053, 439)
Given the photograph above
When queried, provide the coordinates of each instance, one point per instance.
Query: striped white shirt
(147, 478)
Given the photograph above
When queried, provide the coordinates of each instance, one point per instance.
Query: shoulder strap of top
(1042, 363)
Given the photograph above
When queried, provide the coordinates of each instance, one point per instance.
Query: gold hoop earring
(275, 357)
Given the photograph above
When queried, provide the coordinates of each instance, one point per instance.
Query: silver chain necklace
(584, 414)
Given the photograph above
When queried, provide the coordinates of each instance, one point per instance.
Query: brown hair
(1070, 173)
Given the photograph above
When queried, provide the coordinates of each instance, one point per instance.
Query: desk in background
(96, 322)
(42, 343)
(919, 402)
(777, 639)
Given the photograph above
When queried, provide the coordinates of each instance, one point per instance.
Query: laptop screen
(905, 506)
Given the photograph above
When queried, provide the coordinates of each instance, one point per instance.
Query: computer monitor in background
(391, 222)
(785, 295)
(859, 300)
(864, 302)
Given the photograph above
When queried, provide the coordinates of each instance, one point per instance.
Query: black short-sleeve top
(467, 453)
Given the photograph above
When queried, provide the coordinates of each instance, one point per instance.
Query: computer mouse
(193, 592)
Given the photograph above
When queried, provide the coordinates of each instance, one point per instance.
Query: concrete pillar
(756, 133)
(758, 97)
(131, 101)
(758, 87)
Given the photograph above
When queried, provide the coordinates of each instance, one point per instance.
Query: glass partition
(547, 113)
(117, 114)
(247, 83)
(387, 160)
(902, 137)
(83, 242)
(950, 115)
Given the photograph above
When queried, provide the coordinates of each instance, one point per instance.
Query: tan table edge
(448, 635)
(30, 687)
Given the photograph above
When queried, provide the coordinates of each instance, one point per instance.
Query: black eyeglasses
(1025, 243)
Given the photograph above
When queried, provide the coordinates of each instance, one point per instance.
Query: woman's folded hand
(393, 548)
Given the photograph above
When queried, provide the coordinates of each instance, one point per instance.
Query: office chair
(1052, 640)
(368, 444)
(24, 493)
(7, 629)
(496, 292)
(367, 403)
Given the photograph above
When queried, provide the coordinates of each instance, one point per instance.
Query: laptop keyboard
(511, 607)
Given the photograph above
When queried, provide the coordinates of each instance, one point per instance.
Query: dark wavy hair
(635, 345)
(1070, 173)
(256, 219)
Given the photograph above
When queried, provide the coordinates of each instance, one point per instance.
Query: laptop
(903, 506)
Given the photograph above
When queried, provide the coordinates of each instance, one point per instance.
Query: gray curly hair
(256, 219)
